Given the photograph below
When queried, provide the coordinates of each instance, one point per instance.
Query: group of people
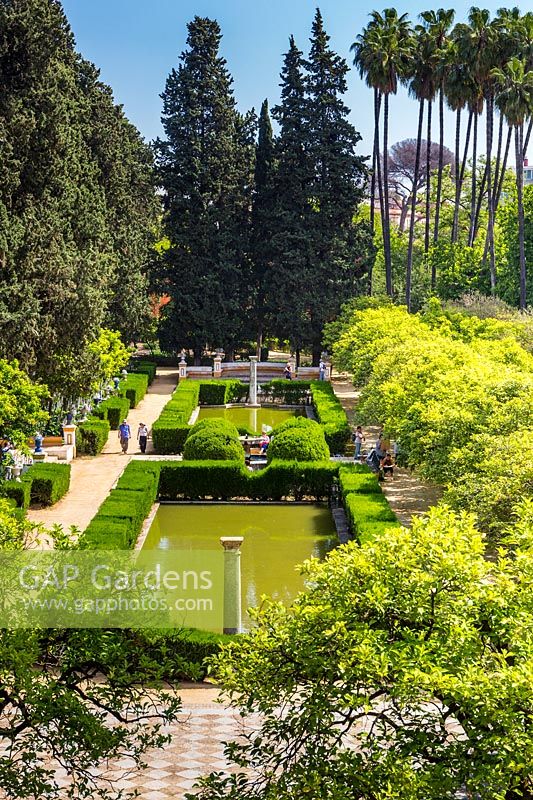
(380, 458)
(124, 435)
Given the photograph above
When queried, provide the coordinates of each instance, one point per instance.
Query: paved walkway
(407, 494)
(196, 748)
(93, 477)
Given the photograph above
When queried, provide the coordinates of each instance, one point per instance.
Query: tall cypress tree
(50, 300)
(293, 214)
(341, 250)
(262, 218)
(322, 257)
(65, 230)
(206, 171)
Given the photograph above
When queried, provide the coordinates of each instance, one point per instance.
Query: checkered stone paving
(195, 749)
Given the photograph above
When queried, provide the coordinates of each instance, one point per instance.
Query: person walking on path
(124, 434)
(358, 439)
(142, 437)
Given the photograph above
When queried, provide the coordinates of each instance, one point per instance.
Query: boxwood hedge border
(171, 429)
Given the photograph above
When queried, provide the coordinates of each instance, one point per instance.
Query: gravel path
(408, 495)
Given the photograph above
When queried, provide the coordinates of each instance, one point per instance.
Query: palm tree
(524, 29)
(505, 46)
(458, 90)
(514, 84)
(438, 24)
(382, 55)
(422, 88)
(364, 49)
(475, 41)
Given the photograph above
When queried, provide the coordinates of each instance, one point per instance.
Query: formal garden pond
(276, 538)
(251, 419)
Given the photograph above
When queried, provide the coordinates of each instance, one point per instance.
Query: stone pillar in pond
(253, 382)
(232, 583)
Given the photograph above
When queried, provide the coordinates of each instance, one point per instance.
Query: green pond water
(276, 539)
(251, 418)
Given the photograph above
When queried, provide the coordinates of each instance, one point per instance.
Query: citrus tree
(21, 411)
(403, 673)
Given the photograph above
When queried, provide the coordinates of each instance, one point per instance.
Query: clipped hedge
(171, 429)
(301, 440)
(296, 422)
(358, 479)
(194, 646)
(362, 509)
(49, 482)
(19, 491)
(331, 416)
(43, 484)
(120, 518)
(215, 423)
(367, 508)
(118, 521)
(134, 388)
(366, 531)
(114, 410)
(213, 440)
(219, 392)
(224, 480)
(144, 367)
(291, 393)
(92, 436)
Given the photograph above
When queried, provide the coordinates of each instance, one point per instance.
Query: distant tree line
(482, 66)
(78, 208)
(262, 235)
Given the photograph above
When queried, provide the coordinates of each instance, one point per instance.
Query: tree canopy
(77, 199)
(404, 671)
(205, 166)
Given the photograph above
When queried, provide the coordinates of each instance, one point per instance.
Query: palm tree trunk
(439, 176)
(377, 110)
(519, 149)
(409, 269)
(428, 178)
(479, 201)
(459, 184)
(474, 183)
(503, 169)
(528, 135)
(457, 170)
(490, 199)
(498, 159)
(498, 185)
(386, 226)
(376, 148)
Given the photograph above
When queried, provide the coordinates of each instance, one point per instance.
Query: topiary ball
(302, 423)
(299, 443)
(215, 423)
(213, 440)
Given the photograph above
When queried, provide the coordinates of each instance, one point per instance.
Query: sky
(135, 44)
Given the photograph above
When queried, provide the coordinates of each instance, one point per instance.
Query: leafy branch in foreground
(74, 699)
